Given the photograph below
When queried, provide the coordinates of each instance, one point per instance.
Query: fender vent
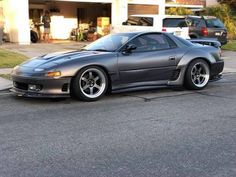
(64, 88)
(175, 74)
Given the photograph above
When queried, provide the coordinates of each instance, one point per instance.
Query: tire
(34, 36)
(90, 84)
(197, 75)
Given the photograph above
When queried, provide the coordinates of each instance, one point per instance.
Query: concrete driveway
(43, 48)
(152, 133)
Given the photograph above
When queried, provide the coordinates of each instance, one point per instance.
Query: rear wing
(209, 42)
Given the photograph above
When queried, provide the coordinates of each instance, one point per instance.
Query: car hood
(53, 59)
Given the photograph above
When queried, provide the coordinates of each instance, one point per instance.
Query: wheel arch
(99, 66)
(200, 58)
(186, 81)
(183, 67)
(197, 58)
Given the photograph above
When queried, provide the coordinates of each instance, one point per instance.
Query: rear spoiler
(209, 42)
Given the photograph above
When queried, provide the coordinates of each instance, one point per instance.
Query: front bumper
(49, 87)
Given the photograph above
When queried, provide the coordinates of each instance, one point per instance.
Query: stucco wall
(211, 2)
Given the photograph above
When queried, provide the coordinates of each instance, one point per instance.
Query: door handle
(172, 58)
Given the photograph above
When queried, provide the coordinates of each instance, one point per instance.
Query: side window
(202, 23)
(152, 42)
(174, 22)
(193, 22)
(172, 44)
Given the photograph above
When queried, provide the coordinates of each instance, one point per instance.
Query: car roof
(204, 17)
(153, 16)
(139, 32)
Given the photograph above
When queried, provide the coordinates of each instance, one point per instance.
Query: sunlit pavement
(160, 132)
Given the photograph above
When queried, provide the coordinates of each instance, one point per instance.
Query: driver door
(152, 60)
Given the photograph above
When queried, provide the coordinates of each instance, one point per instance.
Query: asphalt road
(159, 132)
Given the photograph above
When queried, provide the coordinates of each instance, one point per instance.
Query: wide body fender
(205, 53)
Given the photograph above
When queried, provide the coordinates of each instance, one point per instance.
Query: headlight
(38, 69)
(53, 74)
(14, 69)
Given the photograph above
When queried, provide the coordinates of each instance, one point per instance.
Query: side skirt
(139, 86)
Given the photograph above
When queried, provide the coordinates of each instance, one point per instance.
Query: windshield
(110, 42)
(214, 23)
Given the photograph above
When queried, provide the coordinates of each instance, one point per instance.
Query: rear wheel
(197, 75)
(34, 36)
(90, 84)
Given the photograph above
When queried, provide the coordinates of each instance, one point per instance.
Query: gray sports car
(119, 62)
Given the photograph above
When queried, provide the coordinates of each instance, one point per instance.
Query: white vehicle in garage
(167, 23)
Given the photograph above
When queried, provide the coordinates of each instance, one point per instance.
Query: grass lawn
(10, 59)
(231, 45)
(6, 76)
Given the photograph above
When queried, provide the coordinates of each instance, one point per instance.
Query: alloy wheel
(200, 74)
(92, 83)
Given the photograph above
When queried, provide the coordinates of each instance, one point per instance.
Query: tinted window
(174, 22)
(151, 42)
(193, 22)
(214, 23)
(172, 44)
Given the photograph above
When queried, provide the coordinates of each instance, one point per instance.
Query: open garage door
(142, 9)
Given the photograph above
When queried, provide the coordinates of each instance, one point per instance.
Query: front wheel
(90, 84)
(197, 75)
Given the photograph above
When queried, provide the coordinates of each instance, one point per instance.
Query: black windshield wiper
(83, 49)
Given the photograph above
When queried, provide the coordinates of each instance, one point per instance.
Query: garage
(67, 15)
(69, 19)
(142, 9)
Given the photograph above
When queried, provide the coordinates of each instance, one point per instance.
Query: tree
(231, 3)
(179, 11)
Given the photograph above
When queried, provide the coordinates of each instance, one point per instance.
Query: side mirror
(129, 48)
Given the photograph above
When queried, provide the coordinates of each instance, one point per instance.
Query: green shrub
(179, 11)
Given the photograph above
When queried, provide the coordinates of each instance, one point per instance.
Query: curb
(6, 70)
(5, 89)
(5, 84)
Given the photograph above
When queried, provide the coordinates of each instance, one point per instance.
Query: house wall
(17, 20)
(211, 2)
(17, 15)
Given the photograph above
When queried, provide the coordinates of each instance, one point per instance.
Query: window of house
(139, 21)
